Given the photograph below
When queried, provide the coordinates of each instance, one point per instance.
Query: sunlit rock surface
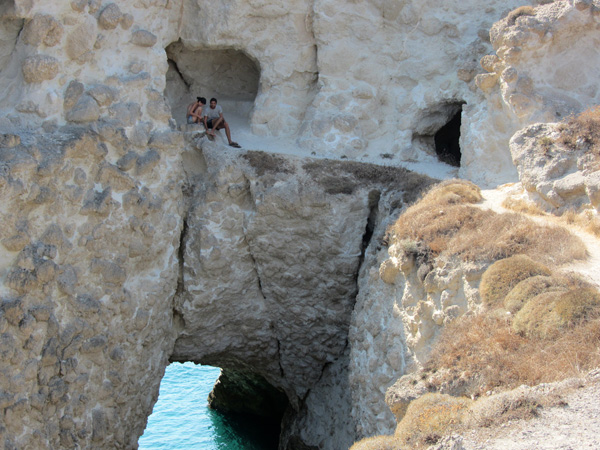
(126, 243)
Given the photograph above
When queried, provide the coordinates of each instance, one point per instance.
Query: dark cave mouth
(250, 406)
(438, 132)
(447, 140)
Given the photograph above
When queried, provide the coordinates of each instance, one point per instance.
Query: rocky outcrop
(558, 178)
(272, 251)
(542, 70)
(89, 271)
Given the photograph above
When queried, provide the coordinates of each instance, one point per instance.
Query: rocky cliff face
(100, 292)
(127, 243)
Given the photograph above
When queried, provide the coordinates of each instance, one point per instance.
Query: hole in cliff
(447, 141)
(438, 132)
(244, 412)
(228, 75)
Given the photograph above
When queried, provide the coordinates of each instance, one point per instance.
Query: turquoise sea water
(181, 418)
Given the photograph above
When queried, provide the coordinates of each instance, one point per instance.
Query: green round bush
(529, 288)
(546, 314)
(502, 276)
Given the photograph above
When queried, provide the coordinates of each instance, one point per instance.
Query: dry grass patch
(520, 11)
(445, 223)
(452, 192)
(585, 220)
(377, 443)
(264, 162)
(344, 177)
(521, 403)
(522, 206)
(486, 350)
(429, 418)
(502, 276)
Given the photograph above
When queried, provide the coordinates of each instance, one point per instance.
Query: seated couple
(211, 117)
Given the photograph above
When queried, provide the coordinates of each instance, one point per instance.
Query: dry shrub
(429, 418)
(444, 223)
(529, 288)
(504, 235)
(452, 192)
(482, 348)
(264, 162)
(522, 206)
(521, 403)
(520, 11)
(585, 220)
(377, 443)
(485, 350)
(549, 313)
(583, 129)
(502, 276)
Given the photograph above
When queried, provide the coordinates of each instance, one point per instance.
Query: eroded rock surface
(89, 270)
(272, 252)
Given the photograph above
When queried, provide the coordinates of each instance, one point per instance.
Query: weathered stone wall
(345, 79)
(88, 270)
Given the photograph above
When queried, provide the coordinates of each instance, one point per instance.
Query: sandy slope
(571, 427)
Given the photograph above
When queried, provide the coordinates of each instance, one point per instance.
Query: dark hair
(213, 100)
(199, 99)
(202, 100)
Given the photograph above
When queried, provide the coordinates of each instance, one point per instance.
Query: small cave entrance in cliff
(439, 132)
(447, 140)
(243, 409)
(229, 75)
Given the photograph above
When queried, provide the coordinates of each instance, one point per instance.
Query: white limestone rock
(545, 66)
(555, 177)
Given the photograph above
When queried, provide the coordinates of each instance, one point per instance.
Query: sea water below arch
(181, 418)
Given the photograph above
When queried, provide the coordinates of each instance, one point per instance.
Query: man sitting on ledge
(214, 120)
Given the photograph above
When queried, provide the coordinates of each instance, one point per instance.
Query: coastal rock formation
(127, 243)
(270, 240)
(402, 306)
(262, 282)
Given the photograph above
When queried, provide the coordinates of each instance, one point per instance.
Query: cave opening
(229, 75)
(447, 140)
(207, 407)
(438, 131)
